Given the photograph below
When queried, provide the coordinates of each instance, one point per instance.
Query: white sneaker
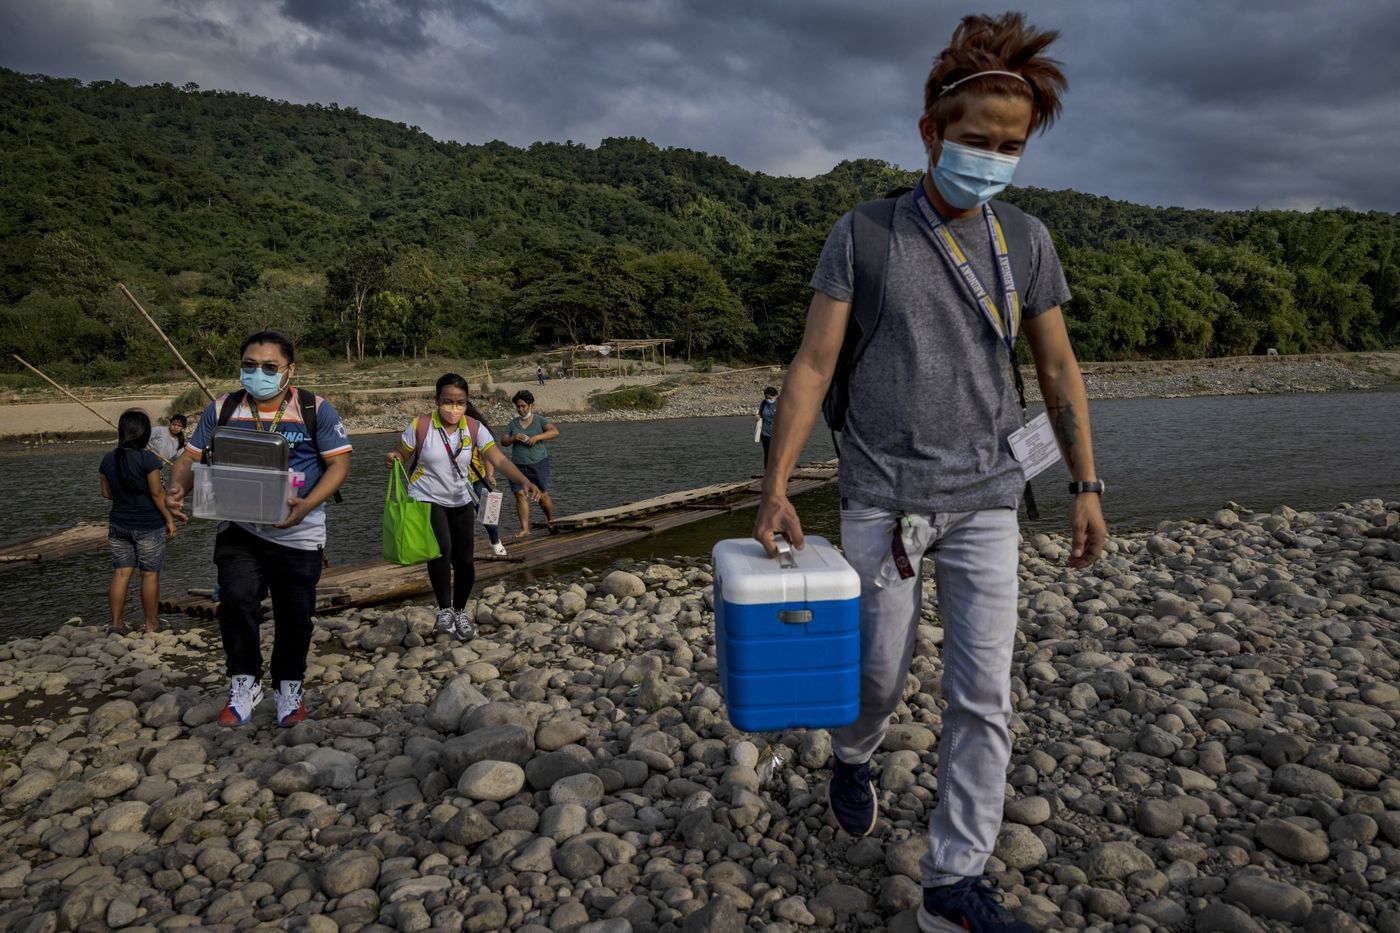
(291, 703)
(498, 549)
(465, 627)
(446, 622)
(244, 695)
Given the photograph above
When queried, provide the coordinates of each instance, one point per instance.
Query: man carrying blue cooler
(931, 435)
(281, 560)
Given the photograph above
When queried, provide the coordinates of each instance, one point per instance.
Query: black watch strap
(1096, 485)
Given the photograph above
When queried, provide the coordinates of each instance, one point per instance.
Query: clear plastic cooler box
(240, 493)
(787, 636)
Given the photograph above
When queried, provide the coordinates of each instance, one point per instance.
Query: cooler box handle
(785, 558)
(795, 616)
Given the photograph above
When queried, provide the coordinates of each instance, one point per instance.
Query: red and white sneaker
(291, 704)
(244, 695)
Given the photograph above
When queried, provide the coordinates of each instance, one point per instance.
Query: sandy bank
(738, 392)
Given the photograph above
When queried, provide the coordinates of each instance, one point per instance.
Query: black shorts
(537, 473)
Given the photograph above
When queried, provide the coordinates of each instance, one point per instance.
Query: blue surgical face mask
(261, 385)
(968, 178)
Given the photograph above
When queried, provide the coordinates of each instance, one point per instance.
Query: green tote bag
(408, 525)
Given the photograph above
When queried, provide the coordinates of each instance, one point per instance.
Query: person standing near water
(926, 462)
(525, 436)
(139, 522)
(283, 560)
(169, 441)
(767, 409)
(439, 448)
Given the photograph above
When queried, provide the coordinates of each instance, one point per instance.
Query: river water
(1162, 459)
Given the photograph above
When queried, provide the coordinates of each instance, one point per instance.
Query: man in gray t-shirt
(927, 467)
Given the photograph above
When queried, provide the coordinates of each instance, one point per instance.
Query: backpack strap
(230, 405)
(870, 248)
(307, 402)
(1017, 228)
(421, 426)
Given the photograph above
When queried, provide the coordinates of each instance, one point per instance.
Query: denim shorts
(144, 550)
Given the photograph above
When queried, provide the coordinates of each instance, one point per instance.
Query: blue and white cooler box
(787, 635)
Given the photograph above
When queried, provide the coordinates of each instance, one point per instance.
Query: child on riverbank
(432, 444)
(139, 522)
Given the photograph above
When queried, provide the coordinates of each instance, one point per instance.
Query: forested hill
(363, 236)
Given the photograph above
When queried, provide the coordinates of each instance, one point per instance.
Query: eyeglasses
(272, 369)
(453, 406)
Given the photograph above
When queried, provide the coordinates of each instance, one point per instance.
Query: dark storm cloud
(1278, 104)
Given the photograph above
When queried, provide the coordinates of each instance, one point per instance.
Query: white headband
(1010, 74)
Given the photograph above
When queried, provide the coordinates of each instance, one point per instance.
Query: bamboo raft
(79, 539)
(371, 583)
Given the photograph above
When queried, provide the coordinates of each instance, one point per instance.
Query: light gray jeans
(975, 558)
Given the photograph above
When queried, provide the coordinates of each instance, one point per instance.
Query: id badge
(1034, 446)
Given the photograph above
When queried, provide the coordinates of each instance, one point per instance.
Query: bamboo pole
(150, 320)
(60, 388)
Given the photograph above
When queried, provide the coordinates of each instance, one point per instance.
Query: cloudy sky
(1286, 103)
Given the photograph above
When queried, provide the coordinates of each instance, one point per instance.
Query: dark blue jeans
(251, 568)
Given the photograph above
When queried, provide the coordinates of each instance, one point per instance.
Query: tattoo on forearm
(1066, 426)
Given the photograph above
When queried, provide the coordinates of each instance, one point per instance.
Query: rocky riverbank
(1205, 733)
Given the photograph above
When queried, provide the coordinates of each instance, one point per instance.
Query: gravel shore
(1205, 734)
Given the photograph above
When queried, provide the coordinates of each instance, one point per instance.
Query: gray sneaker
(446, 622)
(465, 627)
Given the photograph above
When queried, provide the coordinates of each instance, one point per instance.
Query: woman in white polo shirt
(439, 446)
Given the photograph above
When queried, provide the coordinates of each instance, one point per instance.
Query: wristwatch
(1093, 485)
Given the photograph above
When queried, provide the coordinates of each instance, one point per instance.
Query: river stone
(543, 771)
(556, 733)
(1291, 841)
(468, 828)
(118, 779)
(1019, 848)
(179, 752)
(622, 584)
(350, 871)
(908, 737)
(719, 915)
(1295, 780)
(494, 743)
(110, 715)
(1353, 827)
(563, 821)
(1225, 918)
(388, 630)
(586, 790)
(497, 713)
(1283, 749)
(902, 858)
(1115, 860)
(606, 638)
(127, 816)
(1028, 811)
(577, 861)
(452, 700)
(491, 780)
(1159, 818)
(162, 711)
(186, 806)
(1265, 897)
(65, 798)
(1107, 903)
(570, 604)
(28, 789)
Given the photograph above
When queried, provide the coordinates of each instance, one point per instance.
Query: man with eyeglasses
(283, 560)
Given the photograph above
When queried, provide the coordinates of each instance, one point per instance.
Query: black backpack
(308, 418)
(869, 253)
